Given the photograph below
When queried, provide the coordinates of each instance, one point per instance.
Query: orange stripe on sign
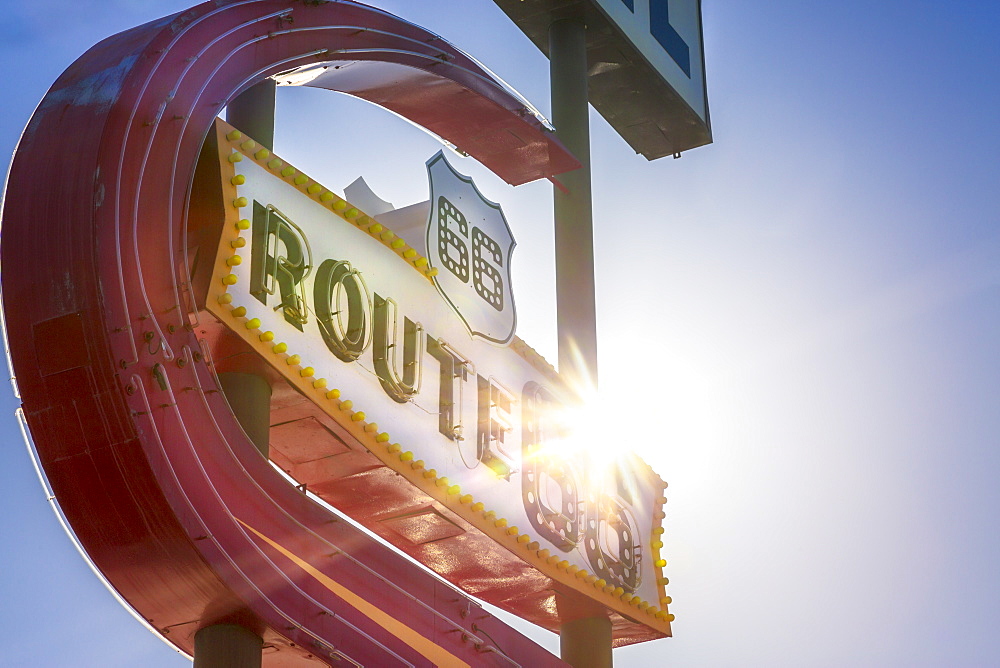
(434, 653)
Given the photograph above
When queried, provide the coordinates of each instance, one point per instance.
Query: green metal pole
(252, 111)
(227, 646)
(576, 315)
(586, 642)
(249, 395)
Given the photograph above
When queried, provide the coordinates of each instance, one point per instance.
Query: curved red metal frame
(166, 493)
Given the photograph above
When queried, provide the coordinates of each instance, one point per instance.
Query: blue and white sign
(668, 34)
(645, 65)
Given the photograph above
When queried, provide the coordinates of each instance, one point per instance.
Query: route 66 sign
(470, 245)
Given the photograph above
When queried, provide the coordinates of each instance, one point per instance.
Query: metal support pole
(586, 642)
(252, 111)
(576, 312)
(227, 646)
(249, 395)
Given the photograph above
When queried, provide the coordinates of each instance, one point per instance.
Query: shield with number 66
(470, 244)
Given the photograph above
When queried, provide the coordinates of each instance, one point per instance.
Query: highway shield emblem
(470, 245)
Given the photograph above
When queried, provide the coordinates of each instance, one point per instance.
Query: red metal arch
(167, 495)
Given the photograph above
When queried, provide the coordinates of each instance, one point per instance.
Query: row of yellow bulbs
(327, 197)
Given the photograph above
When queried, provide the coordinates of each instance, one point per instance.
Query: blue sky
(801, 320)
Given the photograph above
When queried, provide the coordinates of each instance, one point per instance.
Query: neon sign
(347, 311)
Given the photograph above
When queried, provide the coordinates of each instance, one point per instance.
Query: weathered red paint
(146, 459)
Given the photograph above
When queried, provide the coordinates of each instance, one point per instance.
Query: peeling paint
(99, 90)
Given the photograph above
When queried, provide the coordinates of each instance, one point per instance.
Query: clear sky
(801, 322)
